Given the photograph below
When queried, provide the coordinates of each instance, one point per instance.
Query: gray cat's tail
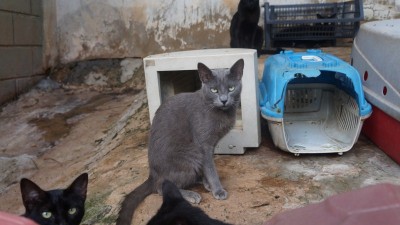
(132, 201)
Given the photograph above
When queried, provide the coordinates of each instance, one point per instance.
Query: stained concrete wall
(135, 28)
(381, 9)
(75, 30)
(20, 46)
(117, 28)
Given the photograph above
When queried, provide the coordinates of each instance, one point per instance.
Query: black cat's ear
(205, 73)
(170, 192)
(319, 16)
(31, 193)
(79, 186)
(237, 69)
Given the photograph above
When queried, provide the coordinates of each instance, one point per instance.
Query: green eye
(71, 211)
(213, 90)
(231, 88)
(46, 215)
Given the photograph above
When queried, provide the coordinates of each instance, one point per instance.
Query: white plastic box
(171, 73)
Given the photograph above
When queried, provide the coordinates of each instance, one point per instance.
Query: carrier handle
(312, 58)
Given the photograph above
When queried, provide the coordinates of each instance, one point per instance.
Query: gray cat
(183, 135)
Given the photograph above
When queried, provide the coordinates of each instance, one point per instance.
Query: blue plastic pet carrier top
(313, 102)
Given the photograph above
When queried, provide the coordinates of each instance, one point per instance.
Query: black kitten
(175, 210)
(55, 207)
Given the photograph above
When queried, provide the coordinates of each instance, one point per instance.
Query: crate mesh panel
(346, 111)
(302, 100)
(324, 21)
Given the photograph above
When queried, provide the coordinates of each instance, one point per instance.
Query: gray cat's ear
(205, 73)
(79, 186)
(31, 193)
(237, 69)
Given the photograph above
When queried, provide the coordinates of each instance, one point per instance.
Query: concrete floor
(51, 136)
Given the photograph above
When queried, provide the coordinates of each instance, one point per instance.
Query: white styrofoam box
(246, 132)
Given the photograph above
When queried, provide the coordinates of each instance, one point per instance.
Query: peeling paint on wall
(94, 29)
(115, 29)
(181, 23)
(380, 10)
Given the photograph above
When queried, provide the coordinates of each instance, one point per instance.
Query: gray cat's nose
(223, 99)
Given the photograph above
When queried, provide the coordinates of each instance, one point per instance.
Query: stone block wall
(20, 46)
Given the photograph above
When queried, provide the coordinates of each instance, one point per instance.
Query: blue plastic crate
(313, 102)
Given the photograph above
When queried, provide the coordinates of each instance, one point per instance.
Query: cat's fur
(183, 135)
(61, 206)
(244, 30)
(175, 210)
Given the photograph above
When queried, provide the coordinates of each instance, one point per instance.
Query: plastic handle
(311, 58)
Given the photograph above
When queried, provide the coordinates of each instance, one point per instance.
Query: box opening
(321, 113)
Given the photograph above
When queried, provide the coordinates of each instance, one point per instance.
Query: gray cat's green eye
(231, 88)
(214, 90)
(71, 211)
(46, 215)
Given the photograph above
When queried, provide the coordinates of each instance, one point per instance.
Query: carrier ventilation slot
(302, 100)
(346, 111)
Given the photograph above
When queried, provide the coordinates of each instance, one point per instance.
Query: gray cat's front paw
(191, 196)
(220, 194)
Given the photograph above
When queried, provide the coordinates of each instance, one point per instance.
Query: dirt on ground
(99, 123)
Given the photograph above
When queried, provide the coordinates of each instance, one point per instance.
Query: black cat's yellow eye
(232, 88)
(214, 90)
(46, 215)
(71, 211)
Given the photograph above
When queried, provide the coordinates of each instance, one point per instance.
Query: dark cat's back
(55, 207)
(176, 210)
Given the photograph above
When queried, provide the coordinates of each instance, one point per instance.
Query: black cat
(175, 210)
(244, 29)
(55, 207)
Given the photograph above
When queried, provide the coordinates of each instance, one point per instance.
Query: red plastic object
(384, 131)
(374, 205)
(11, 219)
